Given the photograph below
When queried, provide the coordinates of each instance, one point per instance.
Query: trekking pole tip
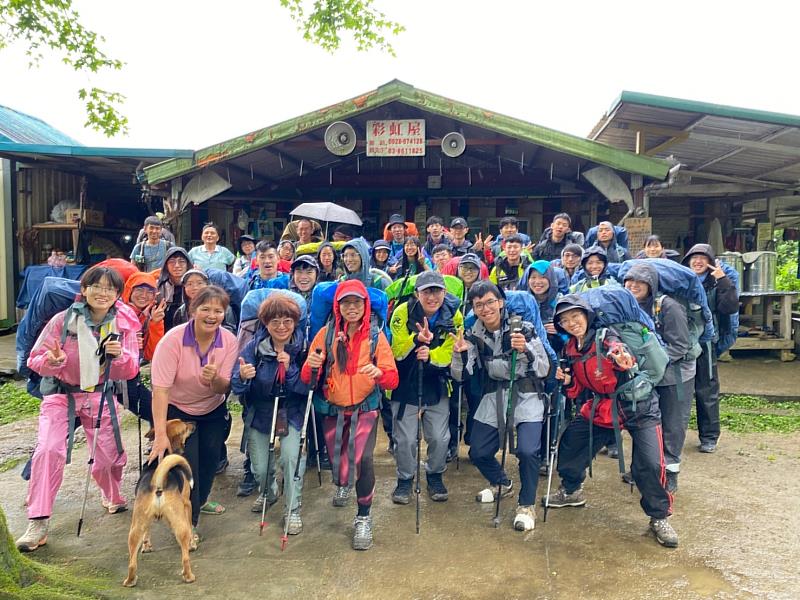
(284, 541)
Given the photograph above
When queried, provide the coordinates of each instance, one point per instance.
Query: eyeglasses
(177, 261)
(99, 289)
(353, 301)
(281, 323)
(480, 306)
(144, 292)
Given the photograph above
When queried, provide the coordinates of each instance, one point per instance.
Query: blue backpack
(322, 307)
(248, 321)
(728, 325)
(681, 284)
(620, 235)
(522, 303)
(236, 287)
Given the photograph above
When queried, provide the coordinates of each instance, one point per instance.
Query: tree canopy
(55, 26)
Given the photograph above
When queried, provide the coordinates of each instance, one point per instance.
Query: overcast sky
(200, 72)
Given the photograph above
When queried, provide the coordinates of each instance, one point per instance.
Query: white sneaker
(525, 519)
(486, 496)
(34, 536)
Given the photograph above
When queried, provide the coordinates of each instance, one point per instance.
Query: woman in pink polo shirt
(191, 374)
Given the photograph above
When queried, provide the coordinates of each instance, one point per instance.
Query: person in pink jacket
(72, 362)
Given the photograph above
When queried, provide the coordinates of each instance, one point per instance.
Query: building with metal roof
(16, 126)
(507, 167)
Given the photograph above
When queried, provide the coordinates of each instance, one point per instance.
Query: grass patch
(752, 414)
(16, 404)
(9, 464)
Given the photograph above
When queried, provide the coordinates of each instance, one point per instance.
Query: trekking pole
(314, 375)
(417, 490)
(515, 324)
(458, 430)
(309, 405)
(279, 380)
(552, 450)
(103, 395)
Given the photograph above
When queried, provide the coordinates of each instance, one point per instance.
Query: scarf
(88, 344)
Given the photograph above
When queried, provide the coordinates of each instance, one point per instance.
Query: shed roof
(261, 154)
(753, 148)
(16, 126)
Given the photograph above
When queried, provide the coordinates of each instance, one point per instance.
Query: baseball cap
(470, 259)
(355, 293)
(429, 279)
(305, 260)
(458, 222)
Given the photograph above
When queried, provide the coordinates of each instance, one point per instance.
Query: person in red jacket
(594, 379)
(352, 377)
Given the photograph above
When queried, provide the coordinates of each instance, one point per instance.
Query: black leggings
(202, 450)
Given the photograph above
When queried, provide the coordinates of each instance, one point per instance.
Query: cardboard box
(92, 218)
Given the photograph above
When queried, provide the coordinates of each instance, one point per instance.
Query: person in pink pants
(73, 365)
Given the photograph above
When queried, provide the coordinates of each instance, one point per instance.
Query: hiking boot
(325, 462)
(402, 493)
(247, 486)
(295, 522)
(627, 477)
(665, 534)
(341, 496)
(561, 498)
(34, 536)
(708, 447)
(436, 489)
(672, 482)
(221, 466)
(525, 519)
(451, 454)
(362, 536)
(613, 451)
(258, 504)
(486, 496)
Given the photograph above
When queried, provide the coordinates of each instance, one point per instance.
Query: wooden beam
(707, 189)
(664, 145)
(732, 179)
(649, 128)
(640, 141)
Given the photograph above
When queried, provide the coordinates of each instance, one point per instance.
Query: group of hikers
(550, 348)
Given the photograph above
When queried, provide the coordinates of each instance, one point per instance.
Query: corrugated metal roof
(758, 146)
(306, 129)
(18, 127)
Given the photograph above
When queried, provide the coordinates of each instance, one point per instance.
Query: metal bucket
(734, 259)
(760, 271)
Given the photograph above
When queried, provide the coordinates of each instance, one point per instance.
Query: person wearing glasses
(276, 349)
(170, 287)
(211, 255)
(72, 354)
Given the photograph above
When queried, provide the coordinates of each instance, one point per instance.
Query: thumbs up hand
(209, 372)
(246, 371)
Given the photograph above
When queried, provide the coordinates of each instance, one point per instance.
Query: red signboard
(397, 137)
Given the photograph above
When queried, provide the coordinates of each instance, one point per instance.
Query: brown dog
(164, 491)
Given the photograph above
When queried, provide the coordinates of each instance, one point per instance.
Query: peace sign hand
(425, 335)
(159, 312)
(478, 245)
(716, 271)
(459, 343)
(55, 355)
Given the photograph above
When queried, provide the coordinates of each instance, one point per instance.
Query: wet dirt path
(736, 514)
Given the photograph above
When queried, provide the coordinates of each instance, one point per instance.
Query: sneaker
(221, 466)
(362, 536)
(436, 489)
(258, 504)
(708, 447)
(390, 448)
(402, 493)
(525, 519)
(613, 451)
(543, 470)
(247, 486)
(627, 477)
(34, 536)
(295, 522)
(665, 534)
(341, 496)
(672, 482)
(486, 496)
(451, 454)
(561, 498)
(325, 463)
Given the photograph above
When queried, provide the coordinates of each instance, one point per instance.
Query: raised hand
(621, 357)
(478, 244)
(246, 371)
(209, 372)
(425, 335)
(55, 355)
(716, 270)
(159, 312)
(459, 343)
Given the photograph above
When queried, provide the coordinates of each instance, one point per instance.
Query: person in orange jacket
(355, 363)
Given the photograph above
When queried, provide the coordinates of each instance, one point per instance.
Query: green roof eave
(91, 151)
(717, 110)
(403, 92)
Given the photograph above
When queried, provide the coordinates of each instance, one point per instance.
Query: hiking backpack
(620, 235)
(728, 325)
(234, 286)
(682, 285)
(248, 321)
